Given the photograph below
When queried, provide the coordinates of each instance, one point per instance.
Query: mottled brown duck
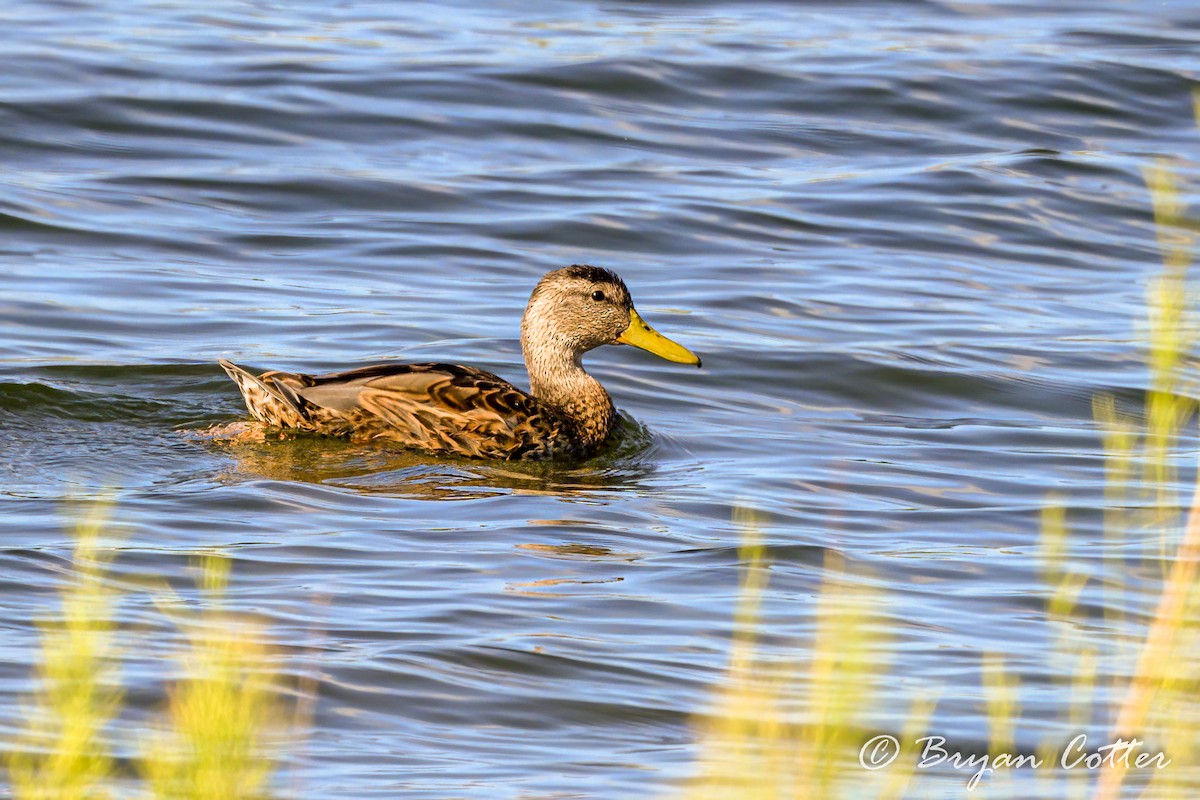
(470, 412)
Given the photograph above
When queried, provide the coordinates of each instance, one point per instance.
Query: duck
(465, 411)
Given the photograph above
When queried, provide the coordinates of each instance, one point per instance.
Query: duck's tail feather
(269, 400)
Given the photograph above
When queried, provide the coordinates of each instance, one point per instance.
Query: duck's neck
(557, 378)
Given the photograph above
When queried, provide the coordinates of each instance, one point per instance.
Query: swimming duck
(470, 412)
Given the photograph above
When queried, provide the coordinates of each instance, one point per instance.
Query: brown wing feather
(441, 407)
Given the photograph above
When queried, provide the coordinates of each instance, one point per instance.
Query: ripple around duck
(37, 402)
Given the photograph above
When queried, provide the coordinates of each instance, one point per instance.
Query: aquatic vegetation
(1171, 338)
(215, 738)
(1153, 665)
(1161, 693)
(751, 745)
(62, 752)
(213, 744)
(792, 730)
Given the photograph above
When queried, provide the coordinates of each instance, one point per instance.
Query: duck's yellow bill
(640, 334)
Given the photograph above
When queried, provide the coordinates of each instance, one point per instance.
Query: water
(909, 240)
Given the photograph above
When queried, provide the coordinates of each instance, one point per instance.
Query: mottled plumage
(470, 412)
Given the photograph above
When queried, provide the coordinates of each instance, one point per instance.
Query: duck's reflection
(261, 452)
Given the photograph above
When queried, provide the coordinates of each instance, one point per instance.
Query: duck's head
(579, 308)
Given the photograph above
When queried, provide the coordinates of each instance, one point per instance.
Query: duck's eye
(598, 296)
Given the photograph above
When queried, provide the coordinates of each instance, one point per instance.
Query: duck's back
(437, 407)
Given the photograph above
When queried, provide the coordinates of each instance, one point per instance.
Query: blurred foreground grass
(213, 742)
(217, 737)
(61, 753)
(795, 731)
